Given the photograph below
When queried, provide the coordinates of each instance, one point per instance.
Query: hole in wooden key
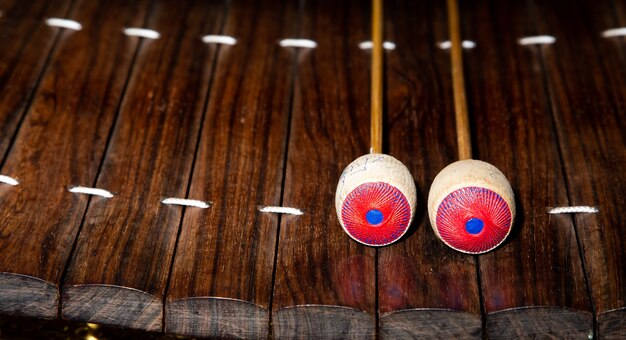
(574, 210)
(301, 43)
(219, 39)
(142, 33)
(91, 191)
(64, 23)
(614, 32)
(466, 44)
(280, 210)
(367, 45)
(537, 40)
(8, 180)
(186, 202)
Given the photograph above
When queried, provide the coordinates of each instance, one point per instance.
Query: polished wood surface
(325, 283)
(239, 167)
(120, 267)
(589, 108)
(257, 124)
(24, 51)
(534, 284)
(59, 144)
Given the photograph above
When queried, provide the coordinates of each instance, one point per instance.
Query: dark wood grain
(221, 279)
(325, 282)
(25, 44)
(613, 18)
(539, 323)
(60, 144)
(585, 74)
(119, 270)
(534, 285)
(611, 324)
(425, 289)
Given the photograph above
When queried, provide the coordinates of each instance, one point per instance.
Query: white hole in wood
(301, 43)
(573, 210)
(281, 210)
(186, 202)
(8, 180)
(219, 39)
(64, 23)
(142, 33)
(614, 32)
(91, 191)
(466, 44)
(368, 45)
(537, 40)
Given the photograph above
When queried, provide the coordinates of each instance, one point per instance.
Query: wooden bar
(60, 144)
(586, 75)
(425, 289)
(25, 45)
(534, 285)
(325, 282)
(221, 282)
(119, 270)
(258, 124)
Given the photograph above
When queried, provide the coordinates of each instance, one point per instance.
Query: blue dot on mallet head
(374, 217)
(474, 226)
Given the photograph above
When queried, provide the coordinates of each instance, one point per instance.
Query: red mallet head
(471, 206)
(375, 199)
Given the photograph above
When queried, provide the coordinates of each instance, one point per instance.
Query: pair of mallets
(471, 204)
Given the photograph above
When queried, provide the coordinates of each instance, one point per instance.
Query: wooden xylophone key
(534, 285)
(471, 205)
(60, 143)
(119, 270)
(221, 281)
(375, 198)
(325, 282)
(586, 76)
(425, 289)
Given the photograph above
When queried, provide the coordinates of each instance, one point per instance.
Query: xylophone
(172, 166)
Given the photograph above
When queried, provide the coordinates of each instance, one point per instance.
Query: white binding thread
(466, 44)
(8, 180)
(91, 191)
(537, 40)
(142, 33)
(302, 43)
(281, 210)
(219, 39)
(186, 202)
(573, 210)
(368, 45)
(64, 23)
(614, 32)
